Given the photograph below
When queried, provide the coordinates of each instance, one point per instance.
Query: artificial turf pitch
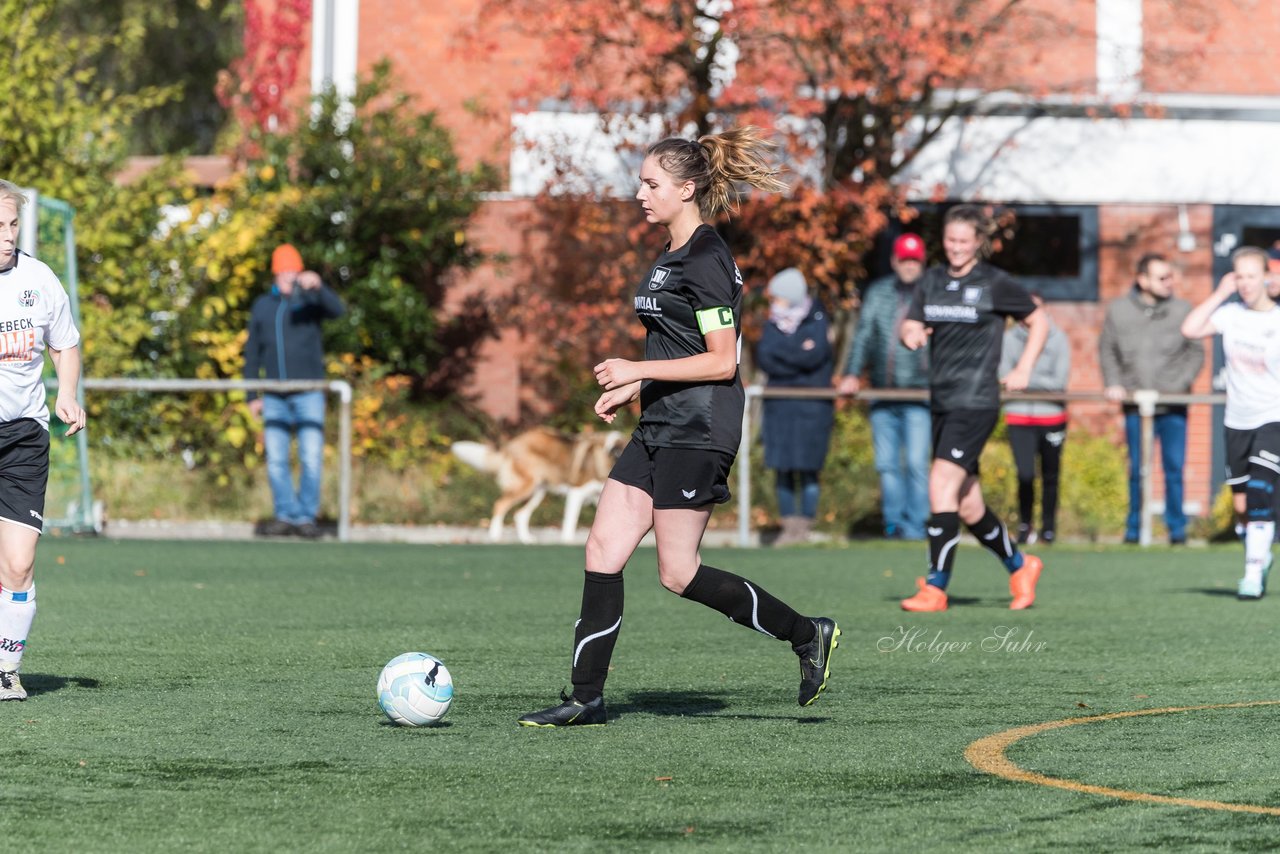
(220, 696)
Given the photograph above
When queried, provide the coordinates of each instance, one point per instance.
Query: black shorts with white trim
(675, 478)
(960, 435)
(24, 472)
(1245, 448)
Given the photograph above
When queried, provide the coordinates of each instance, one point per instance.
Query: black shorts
(1260, 447)
(960, 435)
(675, 478)
(24, 472)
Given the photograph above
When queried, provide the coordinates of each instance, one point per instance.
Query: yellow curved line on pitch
(987, 754)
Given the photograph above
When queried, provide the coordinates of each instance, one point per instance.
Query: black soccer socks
(595, 633)
(994, 536)
(749, 605)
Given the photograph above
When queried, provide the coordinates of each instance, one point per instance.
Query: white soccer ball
(415, 689)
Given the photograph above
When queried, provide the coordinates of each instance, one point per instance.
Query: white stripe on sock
(942, 554)
(577, 652)
(755, 612)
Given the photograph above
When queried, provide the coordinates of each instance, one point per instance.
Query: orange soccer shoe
(927, 598)
(1022, 584)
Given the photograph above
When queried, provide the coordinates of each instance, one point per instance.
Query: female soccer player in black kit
(960, 310)
(675, 469)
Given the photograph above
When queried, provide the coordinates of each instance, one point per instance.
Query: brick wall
(1048, 46)
(473, 96)
(1223, 47)
(497, 231)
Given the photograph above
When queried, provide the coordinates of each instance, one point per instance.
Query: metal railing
(1146, 400)
(339, 387)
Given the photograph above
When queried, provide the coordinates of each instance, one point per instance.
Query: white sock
(1257, 548)
(17, 612)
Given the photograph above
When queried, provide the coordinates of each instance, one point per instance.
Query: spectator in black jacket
(795, 351)
(285, 344)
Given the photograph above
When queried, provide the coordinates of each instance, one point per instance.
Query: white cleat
(1249, 588)
(1253, 586)
(11, 686)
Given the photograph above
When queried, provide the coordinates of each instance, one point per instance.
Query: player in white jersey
(35, 316)
(1250, 331)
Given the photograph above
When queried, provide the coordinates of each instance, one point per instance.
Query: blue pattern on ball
(420, 694)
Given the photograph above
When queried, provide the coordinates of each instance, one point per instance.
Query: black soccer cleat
(815, 659)
(570, 712)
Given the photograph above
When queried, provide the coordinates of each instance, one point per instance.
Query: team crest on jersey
(659, 278)
(29, 298)
(972, 294)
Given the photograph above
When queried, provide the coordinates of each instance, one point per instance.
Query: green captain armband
(713, 319)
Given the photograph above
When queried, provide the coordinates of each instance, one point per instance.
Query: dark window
(1264, 237)
(1040, 245)
(1052, 249)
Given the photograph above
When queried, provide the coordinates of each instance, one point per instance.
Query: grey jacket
(877, 346)
(1050, 372)
(1142, 345)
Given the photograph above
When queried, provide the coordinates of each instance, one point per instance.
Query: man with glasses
(1142, 347)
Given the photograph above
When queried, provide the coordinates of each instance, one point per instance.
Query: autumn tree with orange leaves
(852, 90)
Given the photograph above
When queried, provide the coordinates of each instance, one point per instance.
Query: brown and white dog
(541, 460)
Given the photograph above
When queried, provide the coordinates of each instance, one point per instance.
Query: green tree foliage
(65, 135)
(386, 217)
(369, 190)
(373, 195)
(60, 127)
(180, 45)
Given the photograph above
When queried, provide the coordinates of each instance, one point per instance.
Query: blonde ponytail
(716, 163)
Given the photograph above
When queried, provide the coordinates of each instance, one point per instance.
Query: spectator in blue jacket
(901, 432)
(795, 351)
(285, 344)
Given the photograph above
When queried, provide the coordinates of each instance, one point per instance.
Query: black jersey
(689, 292)
(967, 316)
